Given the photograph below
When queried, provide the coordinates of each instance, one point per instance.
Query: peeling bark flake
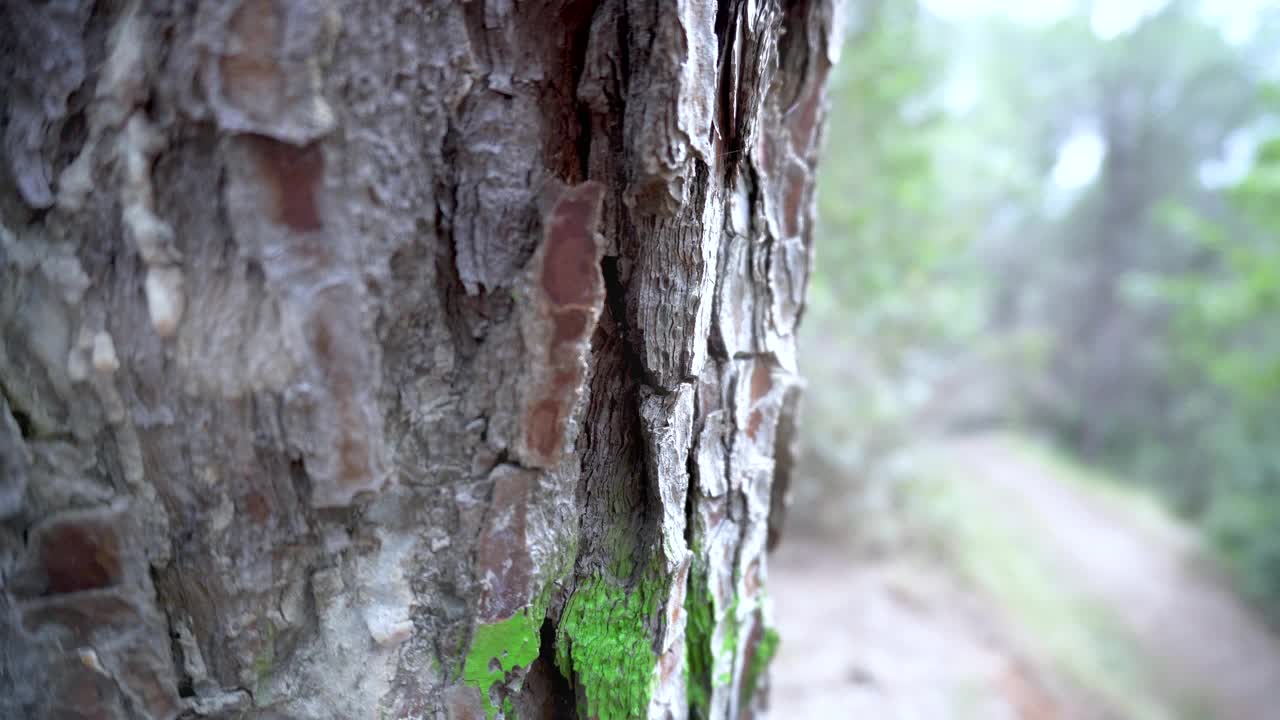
(264, 72)
(293, 174)
(567, 293)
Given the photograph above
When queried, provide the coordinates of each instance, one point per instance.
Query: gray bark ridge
(399, 359)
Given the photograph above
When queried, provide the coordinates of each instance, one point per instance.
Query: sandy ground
(1181, 614)
(897, 639)
(892, 641)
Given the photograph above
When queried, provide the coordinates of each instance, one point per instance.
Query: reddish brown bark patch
(568, 291)
(751, 578)
(570, 326)
(680, 586)
(750, 648)
(570, 266)
(802, 129)
(333, 335)
(504, 560)
(353, 457)
(542, 427)
(795, 188)
(761, 383)
(292, 174)
(78, 555)
(257, 507)
(802, 121)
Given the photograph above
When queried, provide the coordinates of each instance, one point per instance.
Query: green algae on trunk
(498, 649)
(605, 645)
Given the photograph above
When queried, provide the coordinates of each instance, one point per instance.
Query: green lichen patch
(703, 619)
(765, 651)
(730, 648)
(604, 643)
(500, 648)
(699, 608)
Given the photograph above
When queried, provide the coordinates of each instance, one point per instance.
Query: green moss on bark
(604, 643)
(702, 658)
(500, 648)
(765, 651)
(700, 613)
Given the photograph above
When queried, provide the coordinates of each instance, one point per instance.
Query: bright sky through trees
(1109, 17)
(1080, 156)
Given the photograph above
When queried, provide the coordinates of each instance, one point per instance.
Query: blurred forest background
(1060, 220)
(1033, 222)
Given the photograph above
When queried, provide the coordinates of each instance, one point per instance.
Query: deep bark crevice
(26, 427)
(724, 129)
(579, 30)
(546, 693)
(617, 298)
(186, 684)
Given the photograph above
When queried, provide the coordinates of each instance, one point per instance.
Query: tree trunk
(398, 359)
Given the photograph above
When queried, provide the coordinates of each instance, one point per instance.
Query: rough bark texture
(399, 359)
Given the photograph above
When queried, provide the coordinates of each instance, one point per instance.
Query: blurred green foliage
(1156, 283)
(1228, 345)
(1130, 315)
(891, 285)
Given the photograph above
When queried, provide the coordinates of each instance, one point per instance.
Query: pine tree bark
(398, 359)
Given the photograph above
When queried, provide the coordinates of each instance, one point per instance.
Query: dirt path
(1182, 616)
(894, 641)
(899, 639)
